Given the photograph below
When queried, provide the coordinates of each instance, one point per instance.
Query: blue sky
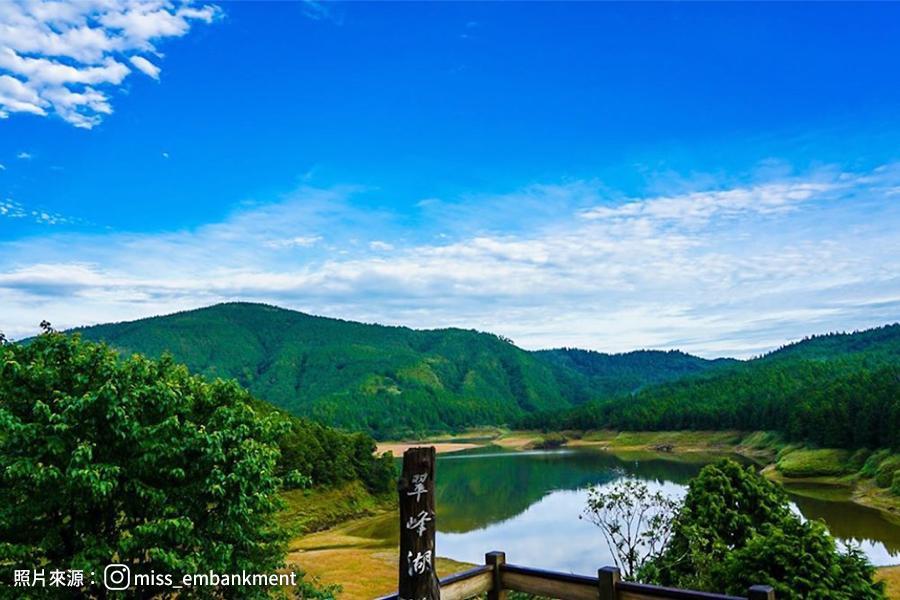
(721, 178)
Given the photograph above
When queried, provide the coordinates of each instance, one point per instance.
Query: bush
(550, 441)
(736, 529)
(814, 463)
(858, 459)
(884, 476)
(132, 461)
(870, 467)
(895, 486)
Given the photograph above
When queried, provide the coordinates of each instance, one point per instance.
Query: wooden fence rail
(495, 578)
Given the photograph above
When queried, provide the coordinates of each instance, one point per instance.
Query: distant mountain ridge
(834, 390)
(385, 379)
(595, 374)
(396, 381)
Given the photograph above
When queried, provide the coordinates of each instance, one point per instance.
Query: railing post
(496, 560)
(607, 578)
(761, 592)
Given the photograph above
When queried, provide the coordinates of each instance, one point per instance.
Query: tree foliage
(105, 459)
(635, 522)
(735, 529)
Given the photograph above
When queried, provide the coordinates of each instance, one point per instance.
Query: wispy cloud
(145, 66)
(300, 241)
(717, 271)
(700, 207)
(63, 58)
(14, 210)
(23, 155)
(318, 10)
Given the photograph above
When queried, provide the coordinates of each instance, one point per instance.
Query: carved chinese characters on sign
(418, 523)
(418, 580)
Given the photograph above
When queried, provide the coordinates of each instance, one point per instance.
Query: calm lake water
(527, 504)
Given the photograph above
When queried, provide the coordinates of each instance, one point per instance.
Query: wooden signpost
(418, 579)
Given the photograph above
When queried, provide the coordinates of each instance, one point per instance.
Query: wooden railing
(495, 578)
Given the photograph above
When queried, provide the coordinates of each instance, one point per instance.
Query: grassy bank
(864, 477)
(891, 577)
(317, 509)
(360, 555)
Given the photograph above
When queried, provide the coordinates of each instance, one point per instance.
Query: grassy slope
(387, 380)
(344, 535)
(891, 576)
(308, 511)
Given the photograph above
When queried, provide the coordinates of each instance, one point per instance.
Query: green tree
(635, 522)
(135, 461)
(735, 529)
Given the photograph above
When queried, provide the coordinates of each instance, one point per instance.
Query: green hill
(387, 380)
(839, 390)
(358, 376)
(589, 374)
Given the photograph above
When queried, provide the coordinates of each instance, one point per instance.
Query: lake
(527, 504)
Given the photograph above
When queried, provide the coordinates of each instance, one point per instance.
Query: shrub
(884, 476)
(736, 529)
(814, 463)
(550, 441)
(895, 486)
(870, 467)
(858, 459)
(134, 461)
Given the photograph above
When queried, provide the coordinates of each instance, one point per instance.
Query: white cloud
(15, 96)
(145, 66)
(700, 207)
(738, 278)
(381, 246)
(63, 58)
(301, 241)
(14, 210)
(23, 155)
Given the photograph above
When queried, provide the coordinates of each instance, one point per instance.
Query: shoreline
(759, 447)
(358, 552)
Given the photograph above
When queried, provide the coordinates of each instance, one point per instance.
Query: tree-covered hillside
(589, 374)
(387, 380)
(839, 390)
(391, 381)
(354, 375)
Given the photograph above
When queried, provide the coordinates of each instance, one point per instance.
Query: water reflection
(528, 504)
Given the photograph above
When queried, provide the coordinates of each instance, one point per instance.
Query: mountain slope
(387, 380)
(879, 343)
(836, 390)
(589, 374)
(359, 376)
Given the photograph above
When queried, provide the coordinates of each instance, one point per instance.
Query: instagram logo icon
(116, 577)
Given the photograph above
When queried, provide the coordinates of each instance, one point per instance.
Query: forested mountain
(836, 390)
(588, 374)
(358, 376)
(386, 380)
(880, 344)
